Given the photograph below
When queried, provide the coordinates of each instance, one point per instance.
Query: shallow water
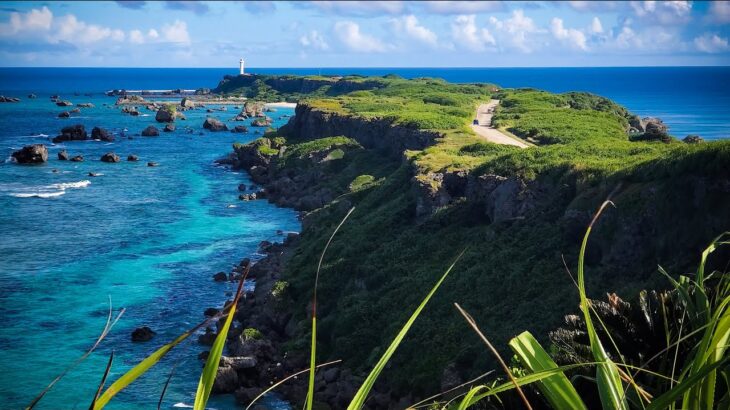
(149, 238)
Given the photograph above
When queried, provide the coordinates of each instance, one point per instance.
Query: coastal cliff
(422, 195)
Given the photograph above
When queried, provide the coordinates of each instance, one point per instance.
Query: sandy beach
(282, 105)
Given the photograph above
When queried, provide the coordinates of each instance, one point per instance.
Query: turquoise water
(149, 238)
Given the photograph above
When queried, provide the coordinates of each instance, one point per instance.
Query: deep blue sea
(150, 238)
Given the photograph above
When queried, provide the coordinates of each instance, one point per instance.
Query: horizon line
(379, 67)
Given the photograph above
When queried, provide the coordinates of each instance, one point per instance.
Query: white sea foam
(37, 194)
(43, 191)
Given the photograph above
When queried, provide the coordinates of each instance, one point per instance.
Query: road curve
(491, 134)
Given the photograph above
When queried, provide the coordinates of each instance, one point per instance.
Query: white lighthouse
(240, 66)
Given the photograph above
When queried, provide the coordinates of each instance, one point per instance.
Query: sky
(364, 34)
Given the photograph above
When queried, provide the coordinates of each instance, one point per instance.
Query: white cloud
(466, 34)
(596, 26)
(31, 21)
(574, 38)
(662, 12)
(720, 11)
(408, 26)
(69, 28)
(462, 7)
(176, 32)
(711, 43)
(357, 8)
(516, 31)
(349, 34)
(594, 5)
(153, 34)
(136, 37)
(314, 40)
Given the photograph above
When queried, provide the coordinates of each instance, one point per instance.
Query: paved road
(491, 134)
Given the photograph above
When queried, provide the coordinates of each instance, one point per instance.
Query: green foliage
(279, 289)
(361, 182)
(250, 333)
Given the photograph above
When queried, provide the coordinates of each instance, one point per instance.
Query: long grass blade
(313, 353)
(359, 400)
(103, 380)
(107, 327)
(557, 389)
(494, 351)
(607, 376)
(427, 399)
(164, 388)
(671, 396)
(207, 378)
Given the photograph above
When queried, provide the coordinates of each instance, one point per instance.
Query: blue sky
(364, 34)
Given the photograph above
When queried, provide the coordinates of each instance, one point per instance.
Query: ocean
(150, 238)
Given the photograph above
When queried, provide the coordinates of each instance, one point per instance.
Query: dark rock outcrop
(169, 128)
(150, 131)
(63, 155)
(152, 164)
(310, 123)
(166, 113)
(64, 103)
(693, 139)
(142, 334)
(213, 124)
(31, 154)
(239, 129)
(98, 133)
(110, 157)
(64, 114)
(85, 105)
(72, 133)
(132, 158)
(77, 158)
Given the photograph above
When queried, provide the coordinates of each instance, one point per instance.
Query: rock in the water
(693, 139)
(93, 174)
(261, 122)
(207, 338)
(166, 113)
(75, 111)
(64, 114)
(142, 334)
(187, 103)
(152, 164)
(226, 380)
(169, 128)
(213, 124)
(110, 157)
(132, 158)
(31, 154)
(32, 96)
(63, 155)
(239, 129)
(247, 197)
(220, 277)
(101, 134)
(241, 187)
(85, 105)
(64, 103)
(150, 131)
(72, 133)
(77, 158)
(210, 312)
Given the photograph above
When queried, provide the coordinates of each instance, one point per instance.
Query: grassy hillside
(511, 278)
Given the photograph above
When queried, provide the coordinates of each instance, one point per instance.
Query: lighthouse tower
(240, 67)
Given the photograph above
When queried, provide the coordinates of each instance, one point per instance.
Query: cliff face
(310, 123)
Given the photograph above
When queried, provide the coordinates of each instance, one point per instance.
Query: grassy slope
(511, 278)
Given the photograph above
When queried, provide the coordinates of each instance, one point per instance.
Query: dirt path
(491, 134)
